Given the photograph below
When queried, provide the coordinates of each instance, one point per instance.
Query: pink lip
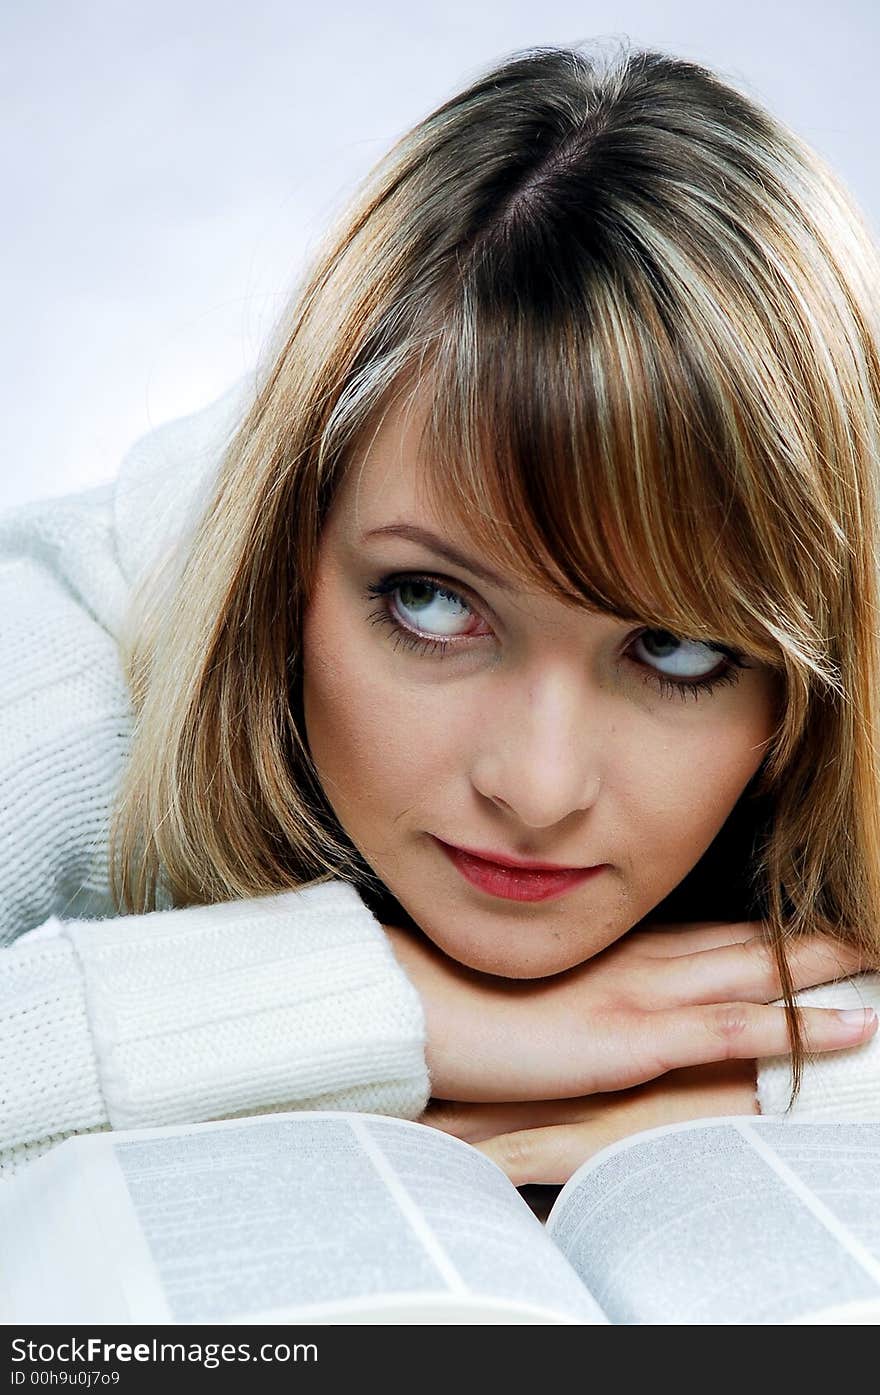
(521, 864)
(516, 881)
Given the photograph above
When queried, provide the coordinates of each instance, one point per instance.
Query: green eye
(442, 610)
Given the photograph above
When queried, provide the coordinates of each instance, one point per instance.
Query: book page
(302, 1217)
(491, 1244)
(55, 1233)
(723, 1221)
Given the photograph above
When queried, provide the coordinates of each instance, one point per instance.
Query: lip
(519, 864)
(516, 881)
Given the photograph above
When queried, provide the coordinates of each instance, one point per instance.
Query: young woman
(479, 706)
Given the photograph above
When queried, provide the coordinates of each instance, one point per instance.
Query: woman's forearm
(279, 1002)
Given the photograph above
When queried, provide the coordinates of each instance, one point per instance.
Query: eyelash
(401, 635)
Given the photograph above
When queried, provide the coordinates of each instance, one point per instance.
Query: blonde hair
(645, 313)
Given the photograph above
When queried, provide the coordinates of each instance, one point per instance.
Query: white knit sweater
(289, 1001)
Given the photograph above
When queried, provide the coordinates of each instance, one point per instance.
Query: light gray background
(166, 166)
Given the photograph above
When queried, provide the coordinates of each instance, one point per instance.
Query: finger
(475, 1121)
(531, 1153)
(670, 941)
(548, 1155)
(674, 941)
(748, 972)
(737, 1031)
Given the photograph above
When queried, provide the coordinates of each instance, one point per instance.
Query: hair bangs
(570, 441)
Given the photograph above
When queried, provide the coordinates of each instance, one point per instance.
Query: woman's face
(542, 732)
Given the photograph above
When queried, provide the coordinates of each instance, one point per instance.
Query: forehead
(387, 476)
(390, 479)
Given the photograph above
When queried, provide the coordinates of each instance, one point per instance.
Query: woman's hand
(658, 999)
(547, 1141)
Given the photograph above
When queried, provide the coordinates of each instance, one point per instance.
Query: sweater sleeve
(835, 1084)
(293, 1001)
(287, 1001)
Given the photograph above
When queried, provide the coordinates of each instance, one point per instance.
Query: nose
(541, 750)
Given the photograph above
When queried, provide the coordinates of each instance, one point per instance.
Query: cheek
(375, 744)
(680, 800)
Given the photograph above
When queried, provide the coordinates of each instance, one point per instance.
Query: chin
(503, 965)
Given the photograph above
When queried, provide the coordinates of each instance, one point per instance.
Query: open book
(351, 1218)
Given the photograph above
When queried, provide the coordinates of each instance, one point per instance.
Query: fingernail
(857, 1017)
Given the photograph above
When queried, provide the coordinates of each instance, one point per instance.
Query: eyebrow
(440, 548)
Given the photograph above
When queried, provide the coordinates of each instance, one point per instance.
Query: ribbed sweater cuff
(48, 1080)
(287, 1001)
(835, 1084)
